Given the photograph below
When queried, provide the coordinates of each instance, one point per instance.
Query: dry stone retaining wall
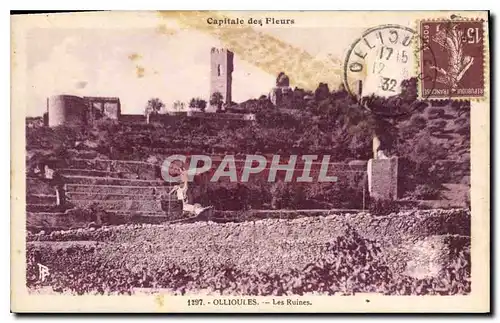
(254, 245)
(117, 189)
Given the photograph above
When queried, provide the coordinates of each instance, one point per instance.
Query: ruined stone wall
(66, 110)
(111, 110)
(133, 118)
(104, 107)
(128, 169)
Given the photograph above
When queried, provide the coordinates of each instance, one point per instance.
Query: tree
(409, 91)
(154, 106)
(437, 126)
(178, 105)
(322, 92)
(216, 100)
(409, 128)
(202, 105)
(462, 108)
(197, 103)
(192, 103)
(418, 122)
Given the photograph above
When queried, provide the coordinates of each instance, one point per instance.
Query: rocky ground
(412, 252)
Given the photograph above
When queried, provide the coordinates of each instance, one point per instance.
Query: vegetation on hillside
(323, 122)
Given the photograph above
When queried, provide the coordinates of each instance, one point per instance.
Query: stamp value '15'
(459, 59)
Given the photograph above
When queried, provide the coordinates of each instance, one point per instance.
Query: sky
(161, 59)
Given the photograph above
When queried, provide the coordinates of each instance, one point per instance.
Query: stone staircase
(88, 172)
(122, 189)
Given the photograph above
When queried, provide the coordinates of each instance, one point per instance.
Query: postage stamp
(458, 63)
(259, 162)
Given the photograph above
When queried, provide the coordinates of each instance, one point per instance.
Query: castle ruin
(221, 69)
(281, 90)
(75, 110)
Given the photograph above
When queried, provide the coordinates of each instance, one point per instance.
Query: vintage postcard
(251, 162)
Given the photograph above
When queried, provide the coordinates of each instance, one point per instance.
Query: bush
(425, 192)
(287, 195)
(100, 215)
(436, 112)
(437, 125)
(81, 215)
(95, 214)
(418, 122)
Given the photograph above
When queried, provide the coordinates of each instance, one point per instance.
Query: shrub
(437, 125)
(287, 195)
(436, 112)
(425, 192)
(418, 122)
(94, 214)
(99, 214)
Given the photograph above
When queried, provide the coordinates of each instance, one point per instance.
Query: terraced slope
(420, 252)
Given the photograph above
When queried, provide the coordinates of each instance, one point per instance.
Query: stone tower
(221, 68)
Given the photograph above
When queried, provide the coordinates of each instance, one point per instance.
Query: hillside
(432, 141)
(119, 231)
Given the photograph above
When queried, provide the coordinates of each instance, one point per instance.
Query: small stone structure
(75, 110)
(105, 107)
(281, 90)
(383, 178)
(382, 173)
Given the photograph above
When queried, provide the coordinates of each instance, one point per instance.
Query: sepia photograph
(270, 161)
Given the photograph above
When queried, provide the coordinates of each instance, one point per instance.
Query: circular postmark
(380, 70)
